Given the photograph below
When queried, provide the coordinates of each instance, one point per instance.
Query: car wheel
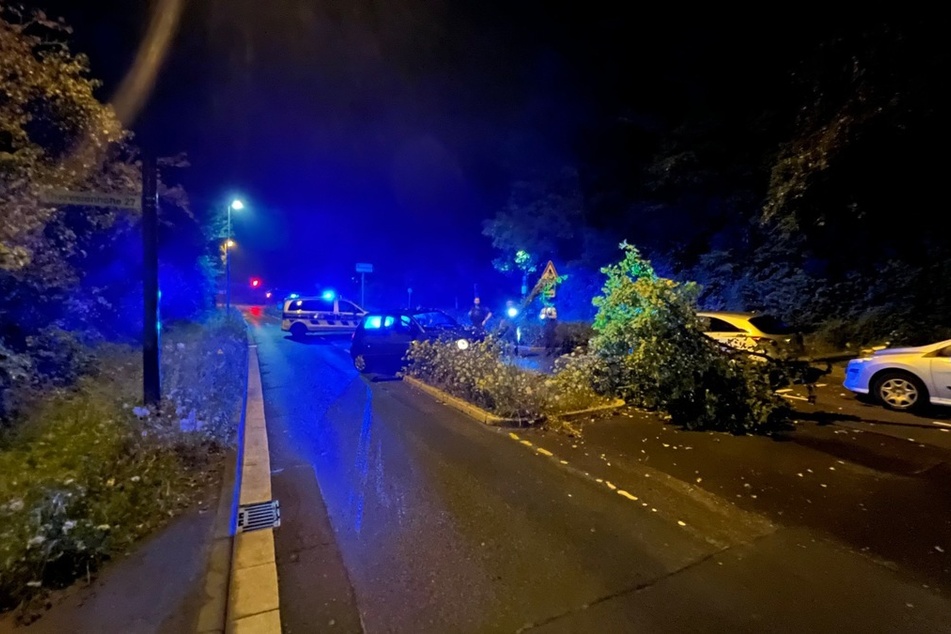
(298, 331)
(900, 391)
(360, 363)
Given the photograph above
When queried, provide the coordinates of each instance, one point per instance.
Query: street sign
(549, 276)
(120, 200)
(364, 267)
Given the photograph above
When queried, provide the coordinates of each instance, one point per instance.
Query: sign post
(363, 268)
(151, 377)
(147, 203)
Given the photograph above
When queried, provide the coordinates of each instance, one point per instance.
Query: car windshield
(771, 326)
(434, 319)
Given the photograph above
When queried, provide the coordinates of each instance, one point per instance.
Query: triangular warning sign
(550, 273)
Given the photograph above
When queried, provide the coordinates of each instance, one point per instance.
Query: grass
(88, 471)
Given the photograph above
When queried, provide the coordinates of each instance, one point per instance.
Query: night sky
(387, 131)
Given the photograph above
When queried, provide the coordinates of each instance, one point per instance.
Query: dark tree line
(809, 186)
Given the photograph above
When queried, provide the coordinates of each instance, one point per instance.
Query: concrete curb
(466, 408)
(253, 601)
(488, 418)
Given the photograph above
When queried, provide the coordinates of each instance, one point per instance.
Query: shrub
(657, 356)
(87, 472)
(481, 376)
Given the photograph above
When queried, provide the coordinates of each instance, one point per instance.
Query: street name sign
(364, 267)
(119, 200)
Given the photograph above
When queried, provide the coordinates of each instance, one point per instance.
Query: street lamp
(236, 205)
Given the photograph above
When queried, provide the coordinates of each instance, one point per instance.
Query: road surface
(401, 515)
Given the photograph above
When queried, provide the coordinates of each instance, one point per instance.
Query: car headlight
(462, 344)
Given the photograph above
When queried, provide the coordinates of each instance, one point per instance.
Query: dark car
(383, 337)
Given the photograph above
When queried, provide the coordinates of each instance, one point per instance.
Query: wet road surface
(438, 524)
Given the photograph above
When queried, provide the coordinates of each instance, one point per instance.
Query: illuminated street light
(236, 205)
(230, 244)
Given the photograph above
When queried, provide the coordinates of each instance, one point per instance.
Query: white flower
(34, 584)
(141, 412)
(110, 482)
(136, 478)
(15, 504)
(36, 540)
(69, 481)
(68, 525)
(103, 527)
(180, 345)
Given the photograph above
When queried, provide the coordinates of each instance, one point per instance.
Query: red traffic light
(255, 282)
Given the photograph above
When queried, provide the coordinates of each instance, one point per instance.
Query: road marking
(513, 436)
(784, 390)
(526, 443)
(796, 398)
(934, 422)
(610, 486)
(545, 452)
(627, 495)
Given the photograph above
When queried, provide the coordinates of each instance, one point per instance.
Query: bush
(88, 472)
(657, 356)
(481, 376)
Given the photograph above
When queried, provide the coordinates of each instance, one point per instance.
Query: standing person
(479, 315)
(549, 316)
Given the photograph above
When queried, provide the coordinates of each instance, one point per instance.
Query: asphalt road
(834, 404)
(439, 524)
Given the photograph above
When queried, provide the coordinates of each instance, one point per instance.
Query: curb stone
(253, 603)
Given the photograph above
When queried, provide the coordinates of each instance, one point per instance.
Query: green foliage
(54, 133)
(482, 376)
(658, 357)
(87, 472)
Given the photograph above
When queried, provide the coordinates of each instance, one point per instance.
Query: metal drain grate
(252, 517)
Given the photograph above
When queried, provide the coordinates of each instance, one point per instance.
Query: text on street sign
(120, 200)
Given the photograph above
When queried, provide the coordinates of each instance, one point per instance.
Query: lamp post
(236, 205)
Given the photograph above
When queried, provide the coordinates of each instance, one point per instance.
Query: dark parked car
(383, 337)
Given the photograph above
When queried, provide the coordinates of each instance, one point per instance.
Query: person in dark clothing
(479, 315)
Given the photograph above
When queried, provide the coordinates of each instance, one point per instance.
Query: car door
(941, 375)
(321, 313)
(400, 332)
(348, 314)
(724, 331)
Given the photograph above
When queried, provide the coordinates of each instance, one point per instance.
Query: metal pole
(363, 295)
(228, 265)
(151, 378)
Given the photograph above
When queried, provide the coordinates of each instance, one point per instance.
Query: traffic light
(255, 282)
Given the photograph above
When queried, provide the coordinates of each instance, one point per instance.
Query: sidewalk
(882, 496)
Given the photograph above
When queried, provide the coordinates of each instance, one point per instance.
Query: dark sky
(386, 131)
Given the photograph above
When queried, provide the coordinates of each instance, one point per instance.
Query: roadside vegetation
(483, 376)
(86, 471)
(647, 348)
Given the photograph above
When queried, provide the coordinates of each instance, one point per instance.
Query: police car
(323, 314)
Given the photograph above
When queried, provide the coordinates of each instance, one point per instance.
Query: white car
(904, 378)
(751, 331)
(324, 314)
